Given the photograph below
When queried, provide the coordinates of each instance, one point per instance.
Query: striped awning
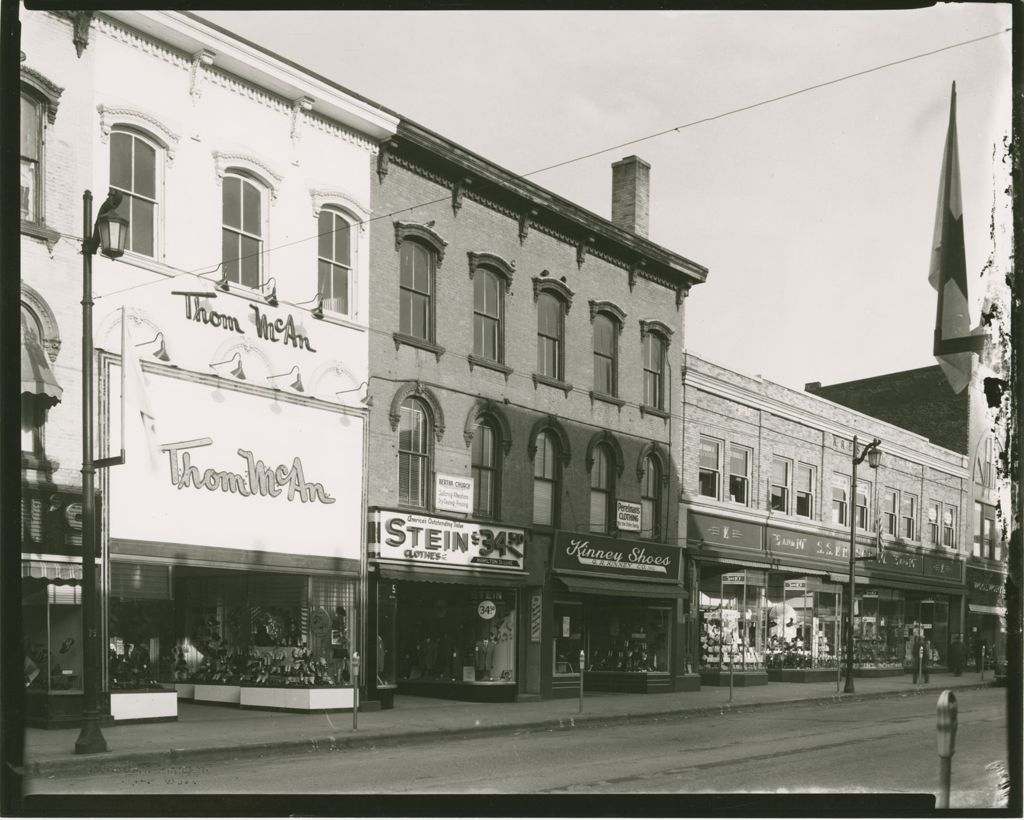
(985, 609)
(37, 378)
(57, 572)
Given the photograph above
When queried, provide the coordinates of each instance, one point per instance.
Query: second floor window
(805, 490)
(908, 512)
(413, 454)
(654, 371)
(709, 474)
(650, 498)
(242, 232)
(334, 261)
(416, 275)
(545, 481)
(781, 477)
(862, 504)
(949, 526)
(605, 355)
(32, 119)
(550, 336)
(133, 172)
(485, 470)
(739, 475)
(840, 500)
(601, 490)
(487, 335)
(934, 509)
(890, 504)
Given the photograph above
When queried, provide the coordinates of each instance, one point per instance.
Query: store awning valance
(985, 609)
(57, 572)
(446, 576)
(37, 378)
(627, 589)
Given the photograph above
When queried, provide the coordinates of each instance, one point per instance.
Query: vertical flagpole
(124, 359)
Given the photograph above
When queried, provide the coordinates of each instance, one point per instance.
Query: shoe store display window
(52, 633)
(453, 640)
(733, 620)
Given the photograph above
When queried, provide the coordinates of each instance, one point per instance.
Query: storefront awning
(448, 576)
(629, 589)
(37, 378)
(985, 609)
(56, 572)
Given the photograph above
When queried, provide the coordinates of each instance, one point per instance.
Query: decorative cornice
(495, 412)
(581, 250)
(542, 283)
(457, 191)
(223, 160)
(200, 60)
(45, 88)
(423, 232)
(80, 22)
(611, 309)
(383, 158)
(656, 327)
(343, 200)
(634, 270)
(551, 423)
(339, 131)
(525, 218)
(654, 450)
(132, 38)
(491, 260)
(303, 105)
(682, 292)
(419, 391)
(121, 115)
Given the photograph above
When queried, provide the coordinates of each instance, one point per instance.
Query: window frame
(612, 357)
(551, 297)
(748, 452)
(652, 477)
(715, 472)
(125, 209)
(863, 520)
(908, 523)
(338, 214)
(841, 513)
(485, 274)
(546, 443)
(787, 488)
(891, 511)
(602, 455)
(41, 107)
(424, 457)
(657, 377)
(949, 530)
(809, 493)
(934, 523)
(485, 422)
(263, 191)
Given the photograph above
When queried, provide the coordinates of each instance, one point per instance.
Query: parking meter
(946, 723)
(355, 690)
(583, 660)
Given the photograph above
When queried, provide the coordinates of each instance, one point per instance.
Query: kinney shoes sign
(599, 555)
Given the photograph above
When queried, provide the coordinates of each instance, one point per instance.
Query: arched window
(654, 347)
(488, 329)
(545, 480)
(486, 472)
(242, 232)
(134, 162)
(334, 261)
(602, 489)
(650, 499)
(416, 270)
(550, 336)
(414, 453)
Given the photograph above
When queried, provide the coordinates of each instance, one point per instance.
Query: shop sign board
(984, 586)
(811, 545)
(628, 516)
(51, 520)
(600, 555)
(454, 493)
(536, 612)
(799, 585)
(903, 563)
(713, 529)
(950, 569)
(421, 539)
(228, 471)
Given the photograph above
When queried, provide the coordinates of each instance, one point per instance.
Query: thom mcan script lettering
(258, 478)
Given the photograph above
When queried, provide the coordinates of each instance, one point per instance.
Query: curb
(131, 761)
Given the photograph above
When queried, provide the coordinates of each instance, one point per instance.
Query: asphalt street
(877, 746)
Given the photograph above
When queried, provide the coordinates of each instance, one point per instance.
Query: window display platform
(482, 692)
(750, 677)
(296, 699)
(144, 706)
(881, 671)
(802, 675)
(634, 682)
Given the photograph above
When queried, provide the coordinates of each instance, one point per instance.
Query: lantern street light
(108, 236)
(874, 457)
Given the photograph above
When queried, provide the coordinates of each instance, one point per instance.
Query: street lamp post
(873, 455)
(109, 237)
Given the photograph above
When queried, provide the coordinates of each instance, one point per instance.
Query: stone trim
(420, 391)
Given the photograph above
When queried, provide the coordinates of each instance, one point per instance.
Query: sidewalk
(210, 732)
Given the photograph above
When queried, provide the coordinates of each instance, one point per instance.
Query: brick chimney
(631, 191)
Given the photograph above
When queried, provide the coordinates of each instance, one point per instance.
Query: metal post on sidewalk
(732, 663)
(983, 663)
(920, 665)
(355, 691)
(946, 720)
(839, 671)
(582, 661)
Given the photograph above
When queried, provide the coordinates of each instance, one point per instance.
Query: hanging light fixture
(270, 298)
(296, 383)
(237, 371)
(161, 351)
(111, 228)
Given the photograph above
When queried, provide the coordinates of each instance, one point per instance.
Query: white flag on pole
(136, 391)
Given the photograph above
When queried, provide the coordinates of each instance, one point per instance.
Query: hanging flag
(948, 269)
(136, 390)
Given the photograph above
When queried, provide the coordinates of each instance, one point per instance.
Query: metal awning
(37, 378)
(57, 572)
(624, 588)
(466, 577)
(985, 609)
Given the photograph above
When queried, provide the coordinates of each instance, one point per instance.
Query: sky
(813, 214)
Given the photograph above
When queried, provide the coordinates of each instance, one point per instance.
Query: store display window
(804, 619)
(52, 623)
(387, 623)
(734, 620)
(455, 633)
(568, 637)
(881, 638)
(628, 637)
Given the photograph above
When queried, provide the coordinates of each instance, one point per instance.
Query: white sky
(814, 215)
